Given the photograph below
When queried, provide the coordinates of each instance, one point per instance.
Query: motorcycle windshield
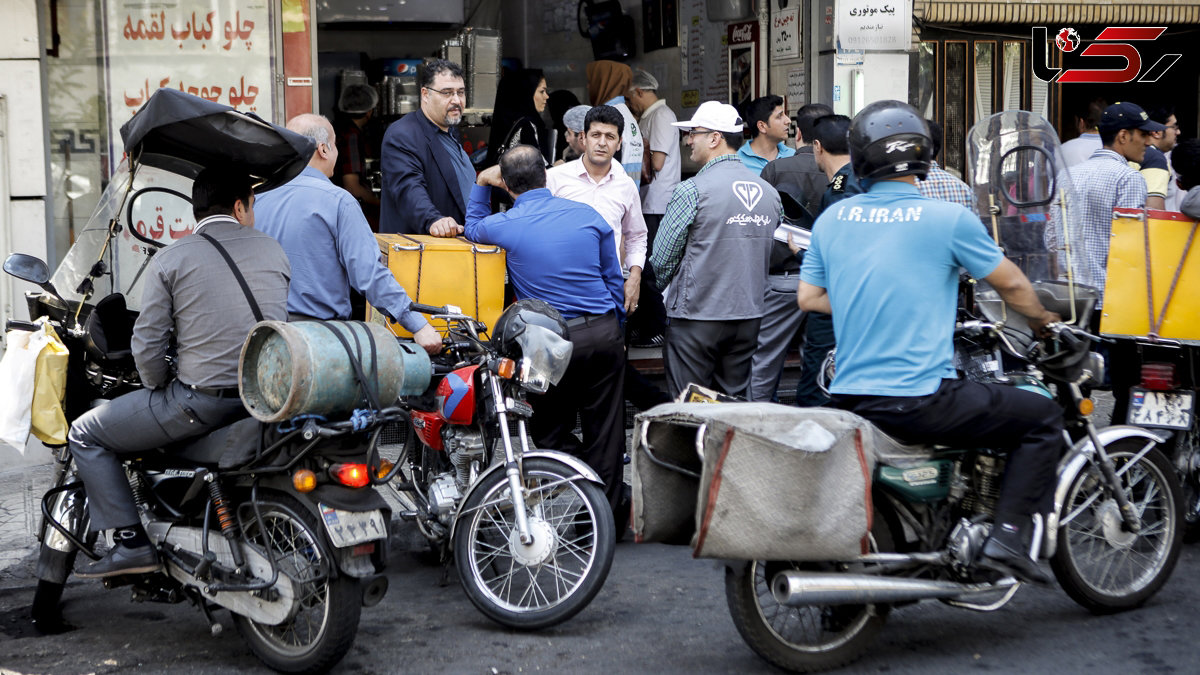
(146, 215)
(1025, 198)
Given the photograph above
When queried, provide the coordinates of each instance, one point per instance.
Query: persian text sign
(874, 25)
(219, 50)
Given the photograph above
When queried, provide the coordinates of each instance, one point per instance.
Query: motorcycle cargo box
(440, 271)
(751, 481)
(1164, 302)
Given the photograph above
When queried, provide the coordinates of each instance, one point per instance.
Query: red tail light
(351, 475)
(1159, 376)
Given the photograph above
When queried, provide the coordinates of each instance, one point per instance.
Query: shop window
(985, 80)
(954, 120)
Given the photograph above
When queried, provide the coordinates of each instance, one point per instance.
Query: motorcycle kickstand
(214, 626)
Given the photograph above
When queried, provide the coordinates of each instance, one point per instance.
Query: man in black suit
(426, 174)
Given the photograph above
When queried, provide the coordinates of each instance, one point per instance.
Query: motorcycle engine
(985, 484)
(443, 497)
(966, 540)
(466, 449)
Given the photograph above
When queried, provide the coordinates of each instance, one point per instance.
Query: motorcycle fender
(1074, 462)
(573, 463)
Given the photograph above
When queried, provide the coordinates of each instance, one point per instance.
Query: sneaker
(123, 560)
(656, 342)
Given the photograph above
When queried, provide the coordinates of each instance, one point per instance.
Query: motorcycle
(530, 532)
(278, 524)
(1115, 531)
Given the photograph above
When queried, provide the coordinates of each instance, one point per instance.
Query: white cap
(715, 116)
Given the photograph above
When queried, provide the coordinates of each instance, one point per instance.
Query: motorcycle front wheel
(545, 582)
(1099, 564)
(54, 566)
(802, 639)
(322, 629)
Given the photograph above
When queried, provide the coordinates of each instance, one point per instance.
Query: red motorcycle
(530, 531)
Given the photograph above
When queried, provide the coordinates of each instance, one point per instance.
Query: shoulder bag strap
(237, 274)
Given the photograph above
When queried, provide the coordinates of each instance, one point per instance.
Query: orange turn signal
(304, 480)
(1086, 406)
(350, 475)
(506, 368)
(385, 467)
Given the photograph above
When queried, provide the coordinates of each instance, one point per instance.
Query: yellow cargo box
(441, 271)
(1164, 302)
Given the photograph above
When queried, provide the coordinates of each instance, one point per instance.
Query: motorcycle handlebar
(427, 309)
(17, 324)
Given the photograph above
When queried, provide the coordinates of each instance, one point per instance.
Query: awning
(1023, 13)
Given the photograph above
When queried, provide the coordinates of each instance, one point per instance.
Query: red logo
(1111, 42)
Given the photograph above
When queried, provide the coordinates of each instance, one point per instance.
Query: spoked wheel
(549, 580)
(802, 639)
(1187, 464)
(1101, 565)
(322, 628)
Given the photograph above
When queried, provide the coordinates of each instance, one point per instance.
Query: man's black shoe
(999, 557)
(123, 560)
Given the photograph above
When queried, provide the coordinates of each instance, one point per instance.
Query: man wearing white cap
(715, 243)
(573, 121)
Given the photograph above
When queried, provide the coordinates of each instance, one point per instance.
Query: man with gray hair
(329, 244)
(573, 121)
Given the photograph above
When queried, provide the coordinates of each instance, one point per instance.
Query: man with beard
(427, 175)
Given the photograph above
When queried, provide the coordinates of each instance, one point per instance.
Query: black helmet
(888, 139)
(522, 313)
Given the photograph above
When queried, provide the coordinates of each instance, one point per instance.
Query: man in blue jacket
(427, 176)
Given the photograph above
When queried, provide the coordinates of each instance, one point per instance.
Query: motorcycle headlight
(545, 357)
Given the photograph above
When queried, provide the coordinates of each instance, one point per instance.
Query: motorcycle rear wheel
(551, 580)
(1098, 564)
(322, 630)
(802, 639)
(1187, 463)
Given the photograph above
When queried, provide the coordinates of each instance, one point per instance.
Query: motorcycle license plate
(1161, 409)
(347, 528)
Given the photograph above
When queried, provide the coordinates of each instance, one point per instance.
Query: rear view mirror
(27, 268)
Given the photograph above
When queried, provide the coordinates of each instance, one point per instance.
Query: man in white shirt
(660, 175)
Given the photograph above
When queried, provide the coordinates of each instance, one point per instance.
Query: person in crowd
(1166, 142)
(940, 183)
(800, 180)
(520, 101)
(192, 303)
(715, 242)
(769, 124)
(563, 252)
(329, 245)
(879, 280)
(1087, 123)
(561, 100)
(426, 173)
(600, 182)
(608, 82)
(573, 121)
(660, 173)
(1155, 167)
(1185, 158)
(356, 105)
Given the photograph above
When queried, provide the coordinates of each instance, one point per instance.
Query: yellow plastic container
(1169, 244)
(440, 271)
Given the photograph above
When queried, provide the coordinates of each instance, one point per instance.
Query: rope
(1153, 332)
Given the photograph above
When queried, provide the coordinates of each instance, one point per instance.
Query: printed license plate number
(347, 528)
(1161, 409)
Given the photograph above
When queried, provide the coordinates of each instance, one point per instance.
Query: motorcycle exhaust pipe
(373, 590)
(796, 589)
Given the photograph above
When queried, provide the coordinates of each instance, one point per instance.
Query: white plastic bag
(16, 396)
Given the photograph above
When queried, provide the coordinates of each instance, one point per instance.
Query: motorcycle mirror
(27, 268)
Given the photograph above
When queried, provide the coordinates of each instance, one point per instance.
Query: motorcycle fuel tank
(926, 482)
(456, 396)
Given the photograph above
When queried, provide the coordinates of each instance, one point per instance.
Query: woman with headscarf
(517, 119)
(560, 102)
(608, 82)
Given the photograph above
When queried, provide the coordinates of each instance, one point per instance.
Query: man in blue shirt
(885, 264)
(769, 125)
(563, 252)
(330, 245)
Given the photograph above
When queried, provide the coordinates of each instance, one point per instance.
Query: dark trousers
(650, 319)
(138, 421)
(962, 413)
(591, 387)
(818, 341)
(714, 354)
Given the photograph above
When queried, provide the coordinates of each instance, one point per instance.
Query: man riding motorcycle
(192, 297)
(886, 265)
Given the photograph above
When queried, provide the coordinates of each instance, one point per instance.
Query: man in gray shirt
(193, 296)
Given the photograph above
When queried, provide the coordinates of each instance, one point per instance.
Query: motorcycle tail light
(1159, 376)
(304, 480)
(385, 467)
(506, 368)
(363, 549)
(350, 475)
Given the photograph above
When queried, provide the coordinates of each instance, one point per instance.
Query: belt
(218, 392)
(786, 273)
(587, 319)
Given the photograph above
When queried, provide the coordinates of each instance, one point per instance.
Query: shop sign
(874, 25)
(219, 50)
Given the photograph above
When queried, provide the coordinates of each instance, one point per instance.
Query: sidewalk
(23, 480)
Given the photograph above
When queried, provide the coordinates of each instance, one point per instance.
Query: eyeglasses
(451, 93)
(698, 130)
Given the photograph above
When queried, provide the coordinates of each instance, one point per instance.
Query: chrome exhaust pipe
(797, 589)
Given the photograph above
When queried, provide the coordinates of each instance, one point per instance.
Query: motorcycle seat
(894, 452)
(227, 447)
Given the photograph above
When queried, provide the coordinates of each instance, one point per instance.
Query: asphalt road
(660, 612)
